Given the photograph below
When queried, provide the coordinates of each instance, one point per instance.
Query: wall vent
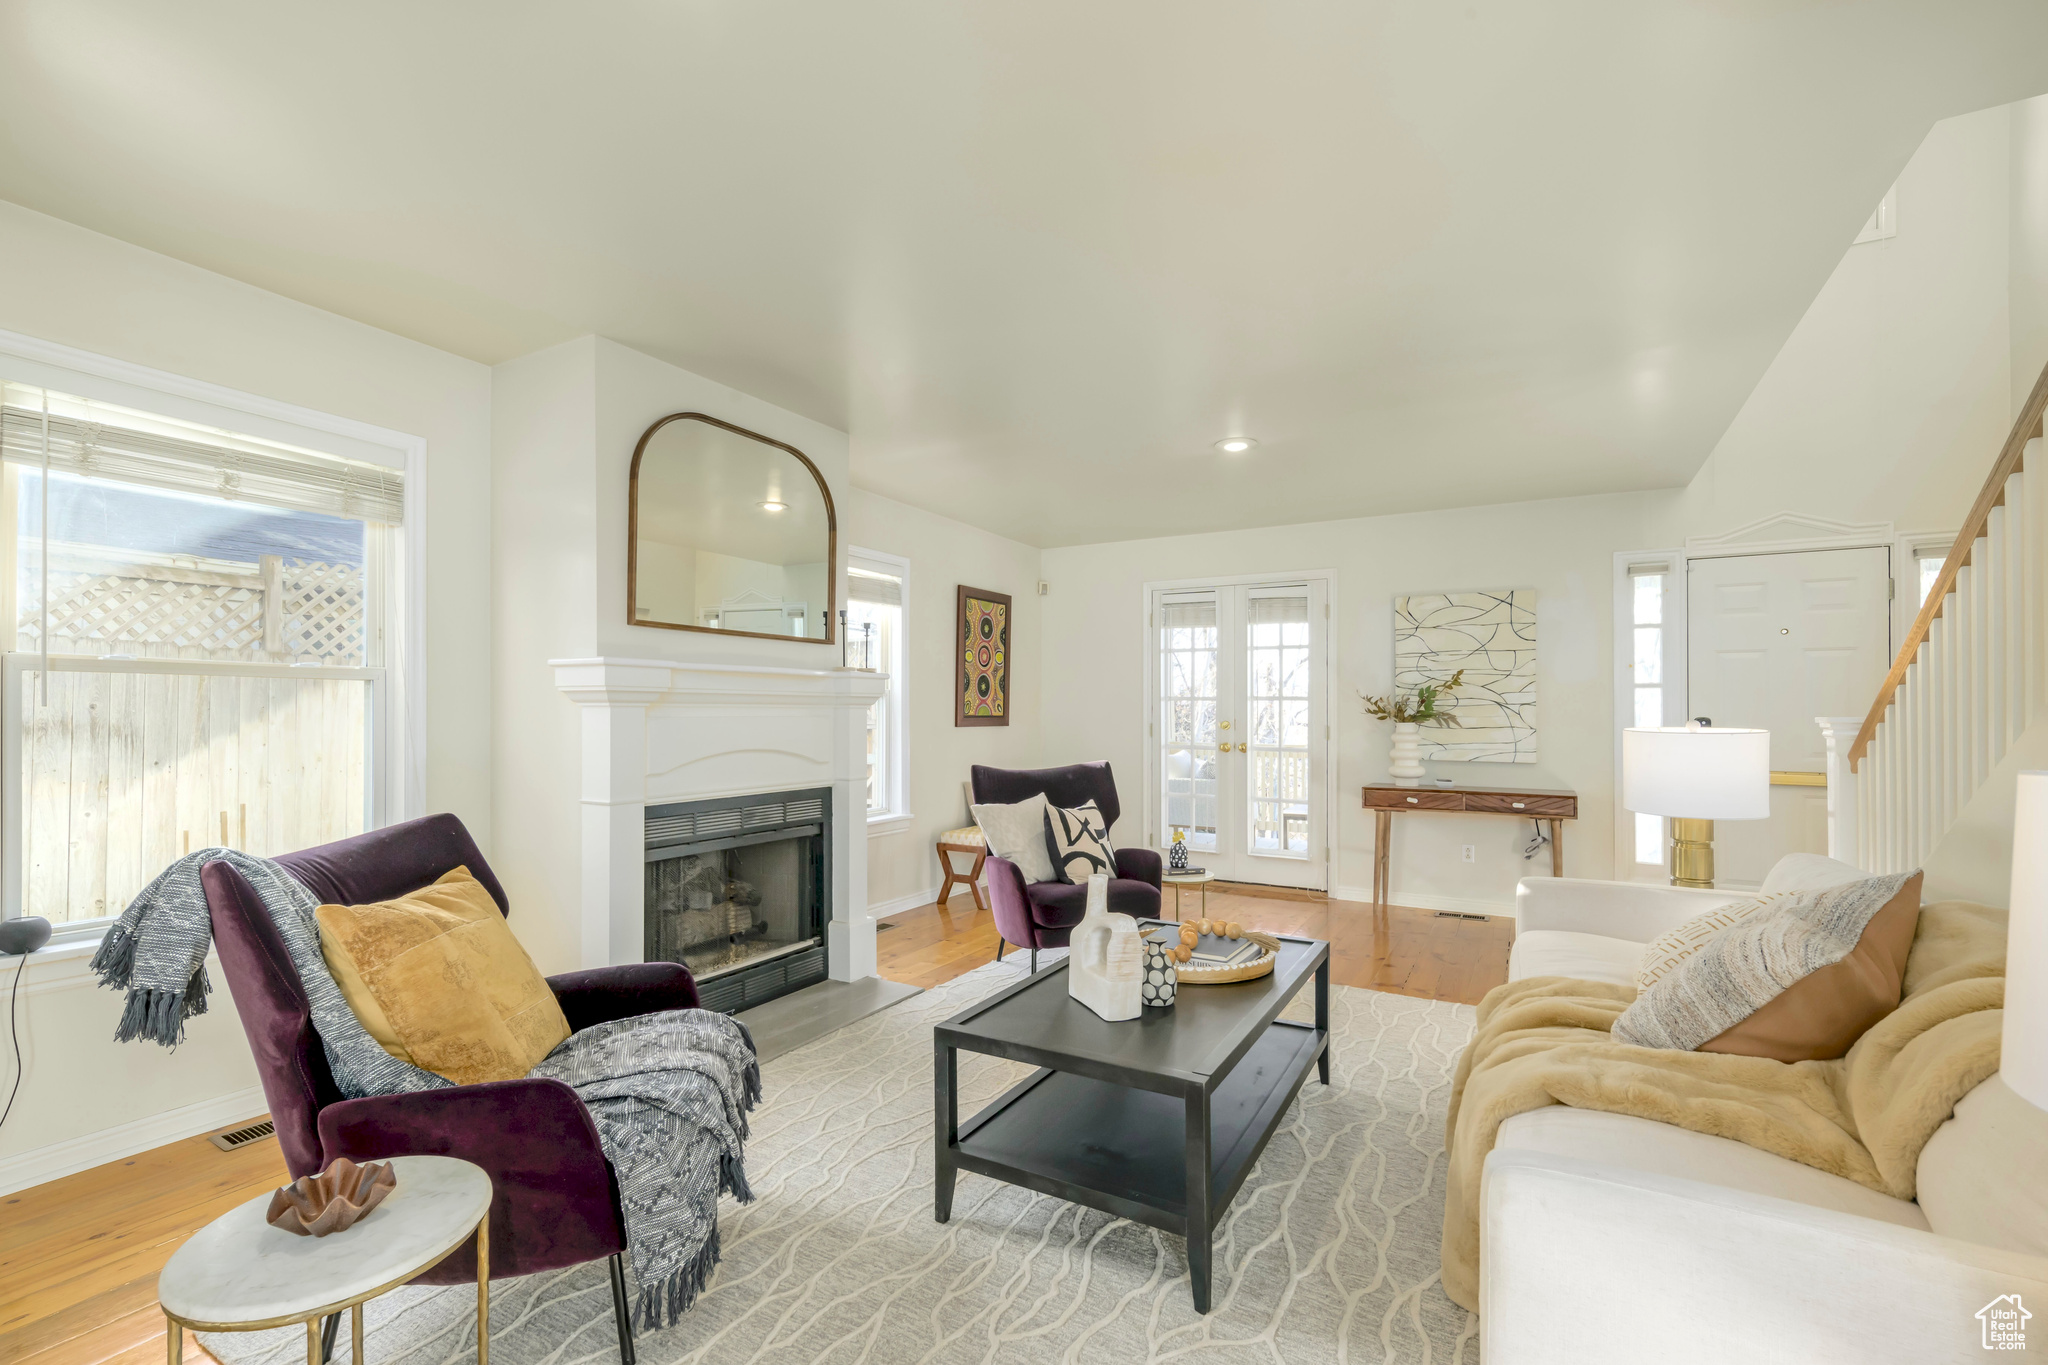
(242, 1137)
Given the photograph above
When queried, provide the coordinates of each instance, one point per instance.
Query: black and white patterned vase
(1177, 856)
(1157, 986)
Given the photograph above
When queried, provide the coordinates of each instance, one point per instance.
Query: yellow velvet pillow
(438, 980)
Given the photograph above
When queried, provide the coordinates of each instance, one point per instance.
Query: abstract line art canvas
(1492, 636)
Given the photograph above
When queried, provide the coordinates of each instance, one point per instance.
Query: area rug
(1328, 1254)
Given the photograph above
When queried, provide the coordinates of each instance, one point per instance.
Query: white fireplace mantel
(656, 731)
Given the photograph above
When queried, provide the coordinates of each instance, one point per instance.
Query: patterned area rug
(1329, 1253)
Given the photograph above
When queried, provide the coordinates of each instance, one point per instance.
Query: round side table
(239, 1274)
(1177, 880)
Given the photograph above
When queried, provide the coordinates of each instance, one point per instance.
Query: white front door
(1774, 641)
(1240, 734)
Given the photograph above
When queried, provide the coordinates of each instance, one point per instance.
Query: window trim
(400, 711)
(1628, 565)
(898, 817)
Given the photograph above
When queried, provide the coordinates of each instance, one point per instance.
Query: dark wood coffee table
(1159, 1119)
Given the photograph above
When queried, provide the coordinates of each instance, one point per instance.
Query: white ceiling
(1038, 257)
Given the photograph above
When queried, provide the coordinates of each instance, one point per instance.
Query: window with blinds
(198, 645)
(89, 439)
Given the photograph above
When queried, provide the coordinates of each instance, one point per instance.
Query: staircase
(1969, 678)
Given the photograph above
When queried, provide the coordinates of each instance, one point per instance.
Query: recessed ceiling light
(773, 506)
(1236, 445)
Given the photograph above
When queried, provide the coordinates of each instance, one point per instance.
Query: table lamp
(1696, 774)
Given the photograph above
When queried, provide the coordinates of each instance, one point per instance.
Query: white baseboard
(918, 899)
(1428, 900)
(39, 1165)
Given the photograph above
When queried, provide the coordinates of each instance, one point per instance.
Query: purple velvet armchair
(1039, 914)
(556, 1202)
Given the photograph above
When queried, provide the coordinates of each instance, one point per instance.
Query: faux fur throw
(1546, 1040)
(1751, 963)
(669, 1092)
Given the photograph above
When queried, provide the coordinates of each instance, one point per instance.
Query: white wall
(1890, 399)
(1092, 671)
(903, 870)
(566, 421)
(83, 1098)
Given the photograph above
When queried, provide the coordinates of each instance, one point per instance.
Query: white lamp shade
(2023, 1053)
(1697, 774)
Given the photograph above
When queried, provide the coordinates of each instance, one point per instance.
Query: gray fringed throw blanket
(669, 1092)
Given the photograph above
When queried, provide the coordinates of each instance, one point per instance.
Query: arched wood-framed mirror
(731, 532)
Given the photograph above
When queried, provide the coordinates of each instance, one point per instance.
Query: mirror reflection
(730, 532)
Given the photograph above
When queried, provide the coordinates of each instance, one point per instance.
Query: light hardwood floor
(1410, 952)
(79, 1256)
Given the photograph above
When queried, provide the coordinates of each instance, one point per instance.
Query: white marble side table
(239, 1274)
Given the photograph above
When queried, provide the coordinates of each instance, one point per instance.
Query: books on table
(1211, 950)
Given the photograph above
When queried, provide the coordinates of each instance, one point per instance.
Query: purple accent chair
(1040, 914)
(556, 1200)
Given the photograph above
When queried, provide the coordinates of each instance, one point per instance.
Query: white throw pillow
(1077, 841)
(1661, 955)
(1017, 832)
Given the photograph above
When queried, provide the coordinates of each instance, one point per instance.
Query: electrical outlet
(1468, 852)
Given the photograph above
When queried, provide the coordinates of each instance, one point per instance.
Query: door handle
(1240, 746)
(1223, 748)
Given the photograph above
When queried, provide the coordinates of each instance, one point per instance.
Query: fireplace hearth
(736, 892)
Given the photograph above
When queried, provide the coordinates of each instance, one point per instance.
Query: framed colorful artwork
(981, 666)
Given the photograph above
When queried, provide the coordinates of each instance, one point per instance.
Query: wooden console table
(1547, 804)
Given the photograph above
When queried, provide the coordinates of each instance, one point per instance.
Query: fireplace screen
(735, 891)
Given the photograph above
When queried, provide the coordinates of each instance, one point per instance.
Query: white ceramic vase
(1406, 768)
(1106, 958)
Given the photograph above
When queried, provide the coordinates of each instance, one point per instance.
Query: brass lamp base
(1692, 853)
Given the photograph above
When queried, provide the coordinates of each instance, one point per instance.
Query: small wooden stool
(968, 839)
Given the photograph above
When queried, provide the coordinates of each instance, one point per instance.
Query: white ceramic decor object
(1106, 958)
(1406, 769)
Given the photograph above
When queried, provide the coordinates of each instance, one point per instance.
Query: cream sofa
(1607, 1238)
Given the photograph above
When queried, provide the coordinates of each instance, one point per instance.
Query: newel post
(1840, 733)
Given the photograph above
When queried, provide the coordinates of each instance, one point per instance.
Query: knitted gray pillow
(1750, 963)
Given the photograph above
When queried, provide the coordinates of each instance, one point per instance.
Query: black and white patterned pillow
(1078, 842)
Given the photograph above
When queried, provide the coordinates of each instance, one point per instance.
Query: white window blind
(884, 590)
(92, 440)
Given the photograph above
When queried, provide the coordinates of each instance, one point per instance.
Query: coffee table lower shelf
(1131, 1152)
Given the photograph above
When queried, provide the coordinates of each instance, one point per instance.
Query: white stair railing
(1971, 675)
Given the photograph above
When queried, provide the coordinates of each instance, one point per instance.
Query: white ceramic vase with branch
(1410, 711)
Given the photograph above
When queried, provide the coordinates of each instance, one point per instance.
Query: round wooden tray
(1259, 966)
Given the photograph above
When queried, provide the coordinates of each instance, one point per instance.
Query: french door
(1240, 730)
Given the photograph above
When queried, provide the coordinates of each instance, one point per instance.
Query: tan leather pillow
(438, 980)
(1821, 1015)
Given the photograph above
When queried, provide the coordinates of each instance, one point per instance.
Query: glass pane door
(1188, 689)
(1242, 734)
(1279, 704)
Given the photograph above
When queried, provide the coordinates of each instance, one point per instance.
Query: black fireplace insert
(736, 890)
